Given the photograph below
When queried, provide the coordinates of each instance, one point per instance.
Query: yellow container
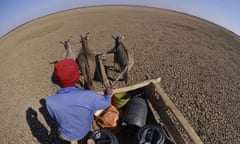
(121, 99)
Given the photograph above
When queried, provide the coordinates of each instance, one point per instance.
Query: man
(71, 107)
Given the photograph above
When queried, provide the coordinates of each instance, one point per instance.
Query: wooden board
(161, 108)
(185, 124)
(102, 72)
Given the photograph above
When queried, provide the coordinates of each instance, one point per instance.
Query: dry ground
(198, 61)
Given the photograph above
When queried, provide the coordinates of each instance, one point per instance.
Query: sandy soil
(198, 61)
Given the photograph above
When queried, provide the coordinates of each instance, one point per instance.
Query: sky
(225, 13)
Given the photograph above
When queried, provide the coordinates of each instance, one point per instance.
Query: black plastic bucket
(136, 113)
(150, 134)
(102, 136)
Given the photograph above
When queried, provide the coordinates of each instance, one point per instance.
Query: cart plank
(185, 124)
(159, 106)
(103, 72)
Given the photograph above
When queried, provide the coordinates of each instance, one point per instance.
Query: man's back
(73, 109)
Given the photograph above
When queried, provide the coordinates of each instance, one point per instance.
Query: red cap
(67, 72)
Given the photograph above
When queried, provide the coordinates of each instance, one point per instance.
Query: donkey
(68, 50)
(86, 62)
(122, 57)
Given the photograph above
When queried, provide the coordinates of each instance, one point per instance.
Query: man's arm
(104, 101)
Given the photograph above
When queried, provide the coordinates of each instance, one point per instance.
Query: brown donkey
(68, 50)
(86, 62)
(122, 57)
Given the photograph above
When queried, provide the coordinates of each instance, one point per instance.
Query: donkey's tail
(88, 70)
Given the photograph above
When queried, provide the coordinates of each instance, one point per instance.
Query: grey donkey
(122, 57)
(68, 53)
(86, 62)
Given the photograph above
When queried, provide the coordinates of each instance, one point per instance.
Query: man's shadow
(37, 128)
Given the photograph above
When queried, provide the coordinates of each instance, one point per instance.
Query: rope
(121, 74)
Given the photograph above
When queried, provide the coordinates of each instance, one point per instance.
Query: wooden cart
(163, 110)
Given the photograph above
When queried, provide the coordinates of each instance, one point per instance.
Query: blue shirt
(73, 109)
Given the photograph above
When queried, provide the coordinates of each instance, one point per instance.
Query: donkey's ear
(70, 38)
(114, 37)
(61, 42)
(81, 37)
(87, 36)
(122, 37)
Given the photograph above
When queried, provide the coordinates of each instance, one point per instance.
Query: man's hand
(108, 91)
